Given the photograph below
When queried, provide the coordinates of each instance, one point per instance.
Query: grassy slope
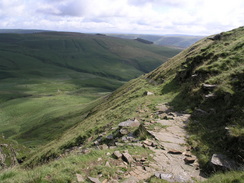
(48, 78)
(172, 83)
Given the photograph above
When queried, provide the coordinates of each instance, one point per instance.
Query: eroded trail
(173, 160)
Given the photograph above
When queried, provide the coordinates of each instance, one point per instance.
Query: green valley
(47, 79)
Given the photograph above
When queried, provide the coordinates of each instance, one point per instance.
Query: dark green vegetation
(47, 79)
(205, 80)
(180, 41)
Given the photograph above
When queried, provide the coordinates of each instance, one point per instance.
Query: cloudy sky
(196, 17)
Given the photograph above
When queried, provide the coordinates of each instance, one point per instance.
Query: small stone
(127, 158)
(94, 180)
(173, 151)
(119, 144)
(208, 86)
(107, 164)
(110, 137)
(147, 142)
(123, 131)
(164, 176)
(189, 160)
(148, 93)
(126, 151)
(108, 153)
(99, 159)
(187, 154)
(117, 154)
(80, 178)
(103, 147)
(112, 147)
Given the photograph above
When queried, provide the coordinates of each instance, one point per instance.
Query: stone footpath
(173, 159)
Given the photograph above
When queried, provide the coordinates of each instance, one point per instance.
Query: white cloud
(130, 16)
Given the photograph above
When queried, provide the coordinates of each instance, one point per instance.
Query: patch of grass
(65, 169)
(229, 177)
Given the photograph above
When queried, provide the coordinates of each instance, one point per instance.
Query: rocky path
(173, 160)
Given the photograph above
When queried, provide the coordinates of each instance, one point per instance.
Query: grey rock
(210, 96)
(208, 87)
(148, 93)
(173, 151)
(123, 131)
(103, 146)
(107, 164)
(127, 158)
(147, 142)
(130, 123)
(189, 160)
(80, 178)
(164, 176)
(117, 154)
(222, 162)
(110, 137)
(94, 180)
(119, 144)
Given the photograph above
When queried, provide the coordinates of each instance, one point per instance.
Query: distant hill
(48, 78)
(181, 41)
(22, 31)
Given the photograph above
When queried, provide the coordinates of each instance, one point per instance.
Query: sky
(190, 17)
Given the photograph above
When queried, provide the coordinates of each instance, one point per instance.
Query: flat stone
(94, 180)
(208, 86)
(189, 160)
(131, 179)
(130, 123)
(127, 158)
(80, 178)
(164, 176)
(112, 147)
(173, 151)
(117, 154)
(147, 142)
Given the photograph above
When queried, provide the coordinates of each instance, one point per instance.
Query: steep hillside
(48, 78)
(205, 81)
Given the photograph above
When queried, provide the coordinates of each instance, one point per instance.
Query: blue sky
(195, 17)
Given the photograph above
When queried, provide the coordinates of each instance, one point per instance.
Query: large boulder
(220, 162)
